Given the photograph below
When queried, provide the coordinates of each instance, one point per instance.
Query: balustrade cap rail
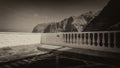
(89, 32)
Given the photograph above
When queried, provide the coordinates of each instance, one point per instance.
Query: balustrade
(103, 39)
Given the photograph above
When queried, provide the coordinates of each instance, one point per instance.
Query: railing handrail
(87, 32)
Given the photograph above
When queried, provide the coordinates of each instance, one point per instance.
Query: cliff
(70, 24)
(108, 19)
(40, 28)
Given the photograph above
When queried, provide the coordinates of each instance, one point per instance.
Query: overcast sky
(23, 15)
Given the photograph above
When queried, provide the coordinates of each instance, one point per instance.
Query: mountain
(108, 19)
(70, 24)
(40, 28)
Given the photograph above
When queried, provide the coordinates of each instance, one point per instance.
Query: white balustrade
(101, 40)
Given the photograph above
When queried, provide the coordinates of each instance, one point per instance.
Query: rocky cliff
(108, 19)
(70, 24)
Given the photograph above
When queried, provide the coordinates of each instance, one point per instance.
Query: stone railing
(101, 40)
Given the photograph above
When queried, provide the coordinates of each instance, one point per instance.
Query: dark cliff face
(40, 28)
(63, 26)
(69, 27)
(108, 19)
(71, 24)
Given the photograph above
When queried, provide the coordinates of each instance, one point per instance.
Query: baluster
(114, 39)
(76, 38)
(66, 37)
(80, 38)
(69, 37)
(108, 40)
(85, 38)
(63, 37)
(93, 39)
(103, 40)
(98, 39)
(72, 38)
(88, 38)
(118, 39)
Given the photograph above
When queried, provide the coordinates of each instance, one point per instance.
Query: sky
(24, 15)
